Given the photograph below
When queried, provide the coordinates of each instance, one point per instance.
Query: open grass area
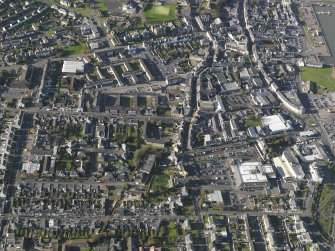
(302, 193)
(125, 101)
(101, 5)
(323, 77)
(163, 111)
(326, 208)
(252, 121)
(145, 150)
(170, 229)
(76, 49)
(205, 5)
(310, 121)
(141, 101)
(163, 13)
(85, 11)
(126, 134)
(309, 36)
(327, 193)
(159, 182)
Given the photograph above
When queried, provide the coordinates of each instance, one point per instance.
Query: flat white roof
(307, 133)
(250, 172)
(275, 123)
(73, 67)
(207, 137)
(216, 196)
(287, 169)
(283, 167)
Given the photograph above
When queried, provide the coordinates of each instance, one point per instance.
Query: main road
(254, 213)
(107, 218)
(78, 183)
(91, 114)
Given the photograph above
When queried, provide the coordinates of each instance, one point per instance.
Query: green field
(309, 36)
(163, 13)
(160, 182)
(75, 49)
(321, 77)
(125, 101)
(252, 121)
(101, 5)
(326, 208)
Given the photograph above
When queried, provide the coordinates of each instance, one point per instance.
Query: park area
(160, 13)
(77, 49)
(323, 207)
(324, 77)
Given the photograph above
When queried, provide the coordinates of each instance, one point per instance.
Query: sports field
(324, 77)
(162, 13)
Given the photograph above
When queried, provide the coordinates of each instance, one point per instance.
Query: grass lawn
(141, 101)
(102, 20)
(160, 182)
(302, 193)
(101, 5)
(171, 230)
(163, 112)
(311, 121)
(309, 37)
(84, 11)
(205, 5)
(76, 49)
(145, 150)
(157, 14)
(327, 193)
(308, 34)
(252, 121)
(125, 102)
(326, 207)
(50, 32)
(321, 77)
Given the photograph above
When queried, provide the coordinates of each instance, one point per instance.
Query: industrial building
(216, 197)
(309, 152)
(252, 175)
(289, 166)
(315, 173)
(73, 67)
(276, 123)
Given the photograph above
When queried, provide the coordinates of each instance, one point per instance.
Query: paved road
(86, 182)
(91, 114)
(107, 218)
(209, 149)
(252, 213)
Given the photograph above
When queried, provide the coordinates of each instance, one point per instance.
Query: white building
(309, 152)
(276, 123)
(216, 196)
(315, 173)
(74, 67)
(289, 166)
(31, 167)
(252, 174)
(65, 3)
(207, 139)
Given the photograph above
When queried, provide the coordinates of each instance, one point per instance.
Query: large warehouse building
(276, 123)
(73, 67)
(252, 175)
(288, 166)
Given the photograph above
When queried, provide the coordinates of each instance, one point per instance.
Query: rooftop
(251, 172)
(73, 67)
(276, 123)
